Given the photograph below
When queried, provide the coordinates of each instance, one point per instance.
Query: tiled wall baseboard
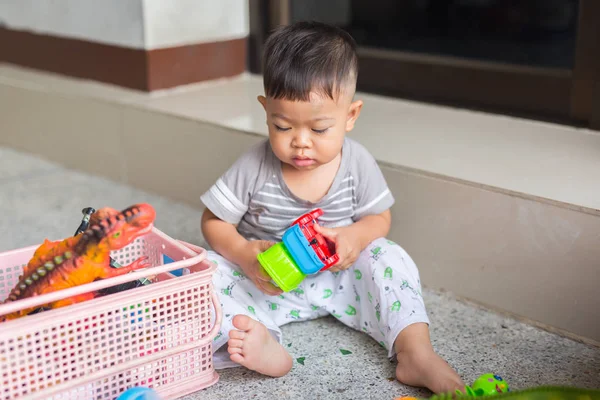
(139, 69)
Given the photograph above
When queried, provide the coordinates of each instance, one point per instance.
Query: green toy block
(282, 268)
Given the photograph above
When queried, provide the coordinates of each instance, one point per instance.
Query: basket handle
(218, 314)
(193, 247)
(215, 299)
(51, 297)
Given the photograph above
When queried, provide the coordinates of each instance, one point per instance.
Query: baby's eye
(320, 130)
(279, 128)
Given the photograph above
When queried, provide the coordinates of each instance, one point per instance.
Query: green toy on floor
(491, 385)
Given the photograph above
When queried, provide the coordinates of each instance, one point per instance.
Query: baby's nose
(301, 140)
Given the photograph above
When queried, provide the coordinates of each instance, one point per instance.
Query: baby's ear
(353, 113)
(263, 100)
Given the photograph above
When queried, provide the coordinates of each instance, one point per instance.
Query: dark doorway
(533, 58)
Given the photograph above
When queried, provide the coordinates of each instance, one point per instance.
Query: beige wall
(175, 23)
(533, 259)
(113, 22)
(139, 24)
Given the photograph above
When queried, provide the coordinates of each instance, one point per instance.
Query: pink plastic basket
(158, 336)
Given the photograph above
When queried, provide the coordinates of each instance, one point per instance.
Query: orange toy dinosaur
(84, 258)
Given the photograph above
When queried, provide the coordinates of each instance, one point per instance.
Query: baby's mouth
(302, 161)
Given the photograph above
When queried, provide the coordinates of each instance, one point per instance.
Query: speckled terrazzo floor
(39, 199)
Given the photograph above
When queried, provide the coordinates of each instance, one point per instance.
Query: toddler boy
(307, 162)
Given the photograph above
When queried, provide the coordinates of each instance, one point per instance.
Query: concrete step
(498, 210)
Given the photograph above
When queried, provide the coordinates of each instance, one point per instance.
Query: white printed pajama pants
(380, 295)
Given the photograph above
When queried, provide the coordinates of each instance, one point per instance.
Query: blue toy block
(301, 251)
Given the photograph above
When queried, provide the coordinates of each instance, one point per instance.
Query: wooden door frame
(585, 95)
(514, 89)
(569, 96)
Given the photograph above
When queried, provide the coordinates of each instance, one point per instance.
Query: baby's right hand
(254, 271)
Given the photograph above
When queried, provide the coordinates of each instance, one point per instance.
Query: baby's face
(308, 134)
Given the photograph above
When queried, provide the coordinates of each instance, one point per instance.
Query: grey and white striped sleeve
(229, 196)
(372, 193)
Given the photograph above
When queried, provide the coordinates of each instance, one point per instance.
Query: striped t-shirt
(253, 195)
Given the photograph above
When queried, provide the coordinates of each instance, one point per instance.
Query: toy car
(302, 252)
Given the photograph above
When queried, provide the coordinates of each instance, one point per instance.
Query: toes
(235, 343)
(237, 358)
(233, 334)
(243, 322)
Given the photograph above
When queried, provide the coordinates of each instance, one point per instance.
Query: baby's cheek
(278, 147)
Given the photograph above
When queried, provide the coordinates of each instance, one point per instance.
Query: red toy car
(324, 249)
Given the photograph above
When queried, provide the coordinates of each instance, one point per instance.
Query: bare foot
(419, 365)
(427, 369)
(253, 347)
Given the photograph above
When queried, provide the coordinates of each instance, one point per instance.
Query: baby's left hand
(347, 245)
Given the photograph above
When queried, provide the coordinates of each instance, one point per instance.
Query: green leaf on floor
(345, 352)
(301, 360)
(289, 345)
(393, 378)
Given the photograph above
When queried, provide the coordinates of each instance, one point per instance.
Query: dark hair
(308, 56)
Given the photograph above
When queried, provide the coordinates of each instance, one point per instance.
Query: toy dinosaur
(83, 258)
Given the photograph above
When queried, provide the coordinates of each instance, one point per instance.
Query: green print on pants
(396, 306)
(406, 285)
(228, 290)
(388, 273)
(239, 275)
(350, 310)
(327, 293)
(357, 274)
(251, 309)
(273, 306)
(218, 336)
